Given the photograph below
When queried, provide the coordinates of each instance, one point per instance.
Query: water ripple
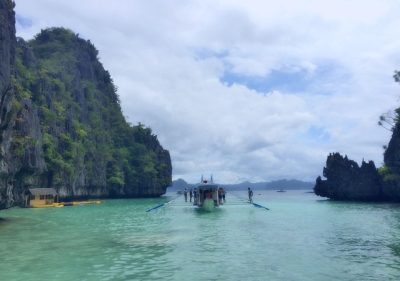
(301, 238)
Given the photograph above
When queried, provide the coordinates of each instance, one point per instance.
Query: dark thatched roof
(42, 191)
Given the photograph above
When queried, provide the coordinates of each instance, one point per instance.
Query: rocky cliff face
(7, 54)
(88, 147)
(23, 162)
(62, 125)
(345, 180)
(20, 132)
(392, 153)
(390, 172)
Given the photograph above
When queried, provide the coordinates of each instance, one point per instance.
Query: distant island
(284, 184)
(61, 124)
(346, 180)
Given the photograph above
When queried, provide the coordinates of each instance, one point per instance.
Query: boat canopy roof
(207, 186)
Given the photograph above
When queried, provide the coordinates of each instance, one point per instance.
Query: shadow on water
(394, 246)
(202, 212)
(7, 221)
(356, 204)
(395, 249)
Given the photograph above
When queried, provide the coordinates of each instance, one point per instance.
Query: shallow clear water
(302, 237)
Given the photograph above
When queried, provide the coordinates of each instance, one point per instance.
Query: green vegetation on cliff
(390, 172)
(88, 147)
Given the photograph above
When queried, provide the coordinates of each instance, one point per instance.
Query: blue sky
(289, 79)
(274, 81)
(23, 22)
(254, 90)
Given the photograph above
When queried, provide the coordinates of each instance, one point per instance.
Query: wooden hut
(42, 197)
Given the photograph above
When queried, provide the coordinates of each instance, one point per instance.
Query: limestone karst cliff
(346, 180)
(62, 124)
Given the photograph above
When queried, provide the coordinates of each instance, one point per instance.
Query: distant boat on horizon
(281, 190)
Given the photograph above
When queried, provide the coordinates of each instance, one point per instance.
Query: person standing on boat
(195, 196)
(250, 192)
(185, 194)
(223, 195)
(190, 195)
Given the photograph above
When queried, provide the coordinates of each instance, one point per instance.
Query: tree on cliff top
(389, 119)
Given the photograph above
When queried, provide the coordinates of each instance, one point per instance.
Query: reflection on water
(302, 238)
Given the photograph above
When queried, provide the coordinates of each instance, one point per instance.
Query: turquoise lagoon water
(302, 237)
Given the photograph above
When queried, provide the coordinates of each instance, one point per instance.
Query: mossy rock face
(62, 124)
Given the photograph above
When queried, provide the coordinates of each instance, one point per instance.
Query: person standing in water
(220, 190)
(190, 195)
(250, 192)
(185, 194)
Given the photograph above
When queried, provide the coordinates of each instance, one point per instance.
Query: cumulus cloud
(246, 90)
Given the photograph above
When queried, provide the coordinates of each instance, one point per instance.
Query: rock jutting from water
(61, 123)
(345, 180)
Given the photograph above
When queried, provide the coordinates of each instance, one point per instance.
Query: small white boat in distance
(206, 195)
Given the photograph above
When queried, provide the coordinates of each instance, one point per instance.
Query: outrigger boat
(206, 195)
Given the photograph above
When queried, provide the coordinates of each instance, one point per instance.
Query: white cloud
(347, 50)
